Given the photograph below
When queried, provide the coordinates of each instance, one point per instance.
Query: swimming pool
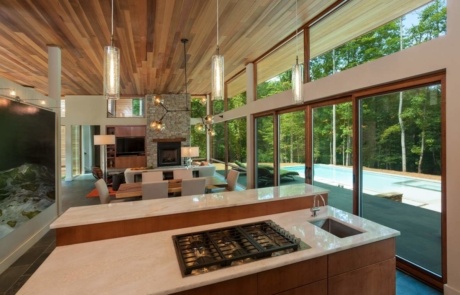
(416, 191)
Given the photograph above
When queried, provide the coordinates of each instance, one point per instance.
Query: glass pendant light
(217, 68)
(297, 72)
(111, 69)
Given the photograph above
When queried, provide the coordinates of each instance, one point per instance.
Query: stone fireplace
(177, 128)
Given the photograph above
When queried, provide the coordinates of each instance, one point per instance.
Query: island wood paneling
(361, 256)
(246, 285)
(375, 279)
(296, 275)
(122, 228)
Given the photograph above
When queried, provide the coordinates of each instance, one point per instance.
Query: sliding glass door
(291, 147)
(264, 151)
(401, 172)
(331, 149)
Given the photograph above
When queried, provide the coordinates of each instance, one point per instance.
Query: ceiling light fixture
(9, 93)
(217, 68)
(159, 125)
(205, 125)
(297, 70)
(111, 69)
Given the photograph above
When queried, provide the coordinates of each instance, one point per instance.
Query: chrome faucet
(315, 207)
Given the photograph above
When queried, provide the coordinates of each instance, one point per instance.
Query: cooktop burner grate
(201, 252)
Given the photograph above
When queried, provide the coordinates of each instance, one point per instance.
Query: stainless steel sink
(336, 228)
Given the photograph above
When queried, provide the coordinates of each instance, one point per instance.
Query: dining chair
(183, 174)
(154, 190)
(195, 186)
(232, 178)
(103, 191)
(152, 176)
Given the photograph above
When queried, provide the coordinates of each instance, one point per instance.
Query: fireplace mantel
(169, 139)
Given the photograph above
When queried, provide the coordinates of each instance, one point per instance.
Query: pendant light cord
(296, 30)
(185, 70)
(217, 17)
(111, 31)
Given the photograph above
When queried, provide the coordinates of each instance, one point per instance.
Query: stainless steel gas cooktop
(205, 251)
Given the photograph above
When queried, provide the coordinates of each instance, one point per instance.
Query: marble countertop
(147, 264)
(76, 216)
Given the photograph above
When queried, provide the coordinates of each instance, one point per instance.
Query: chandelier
(158, 101)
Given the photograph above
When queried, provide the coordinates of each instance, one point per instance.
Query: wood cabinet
(368, 269)
(130, 161)
(129, 131)
(297, 275)
(114, 161)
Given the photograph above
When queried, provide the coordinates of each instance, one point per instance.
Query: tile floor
(73, 194)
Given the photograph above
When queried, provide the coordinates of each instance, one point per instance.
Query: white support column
(54, 94)
(250, 83)
(208, 136)
(250, 86)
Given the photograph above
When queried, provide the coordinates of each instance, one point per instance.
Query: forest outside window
(236, 92)
(395, 26)
(274, 71)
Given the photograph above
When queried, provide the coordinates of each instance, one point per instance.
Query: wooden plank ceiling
(148, 33)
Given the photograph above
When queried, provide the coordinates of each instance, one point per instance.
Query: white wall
(439, 54)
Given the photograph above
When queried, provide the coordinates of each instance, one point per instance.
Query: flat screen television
(130, 146)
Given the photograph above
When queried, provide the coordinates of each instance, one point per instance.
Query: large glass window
(274, 71)
(237, 154)
(401, 156)
(236, 92)
(218, 148)
(198, 135)
(75, 141)
(126, 107)
(423, 24)
(264, 175)
(291, 148)
(332, 153)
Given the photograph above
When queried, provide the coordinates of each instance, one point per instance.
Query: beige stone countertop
(147, 264)
(76, 216)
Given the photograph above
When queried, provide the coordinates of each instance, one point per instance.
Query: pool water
(416, 191)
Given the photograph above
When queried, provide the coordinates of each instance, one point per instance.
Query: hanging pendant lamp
(111, 69)
(217, 68)
(297, 72)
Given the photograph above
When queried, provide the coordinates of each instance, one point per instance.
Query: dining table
(134, 190)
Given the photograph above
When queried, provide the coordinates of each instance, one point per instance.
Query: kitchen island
(147, 263)
(108, 221)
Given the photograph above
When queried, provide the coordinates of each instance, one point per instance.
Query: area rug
(95, 194)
